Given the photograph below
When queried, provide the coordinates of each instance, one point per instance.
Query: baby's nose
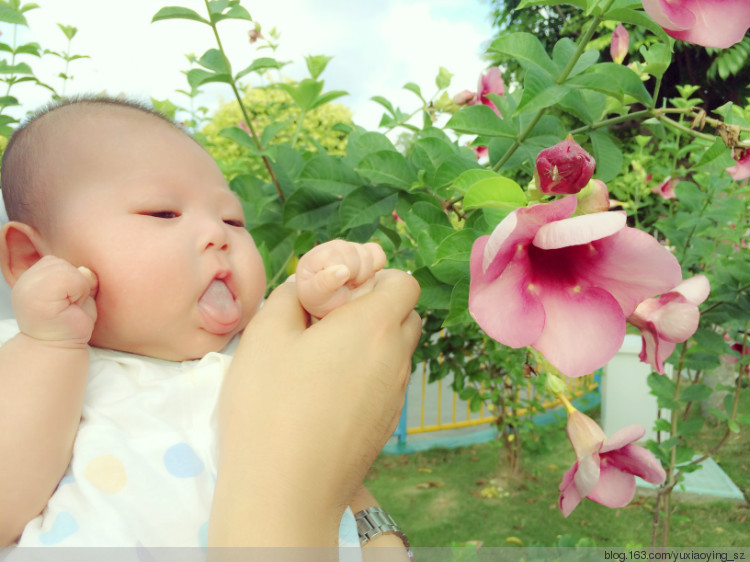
(215, 235)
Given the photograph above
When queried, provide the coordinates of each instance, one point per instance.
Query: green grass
(437, 497)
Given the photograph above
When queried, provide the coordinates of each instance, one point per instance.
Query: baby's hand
(54, 302)
(336, 272)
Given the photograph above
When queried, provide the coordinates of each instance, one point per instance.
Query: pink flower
(618, 49)
(742, 170)
(606, 469)
(665, 189)
(565, 285)
(563, 168)
(743, 350)
(481, 151)
(711, 23)
(669, 319)
(491, 82)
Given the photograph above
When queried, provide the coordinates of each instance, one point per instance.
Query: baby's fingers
(93, 281)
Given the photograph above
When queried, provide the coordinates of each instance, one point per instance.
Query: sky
(377, 47)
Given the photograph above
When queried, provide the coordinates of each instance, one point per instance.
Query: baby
(132, 275)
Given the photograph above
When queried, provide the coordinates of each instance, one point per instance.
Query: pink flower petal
(741, 170)
(695, 290)
(579, 230)
(587, 475)
(695, 21)
(519, 228)
(584, 328)
(677, 321)
(622, 438)
(570, 497)
(505, 308)
(584, 433)
(632, 266)
(634, 459)
(669, 14)
(614, 489)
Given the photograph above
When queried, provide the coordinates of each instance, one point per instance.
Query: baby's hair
(21, 194)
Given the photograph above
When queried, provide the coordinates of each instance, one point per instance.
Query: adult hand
(305, 411)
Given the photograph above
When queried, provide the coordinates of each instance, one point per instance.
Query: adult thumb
(282, 310)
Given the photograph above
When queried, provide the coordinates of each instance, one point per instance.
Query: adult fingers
(281, 311)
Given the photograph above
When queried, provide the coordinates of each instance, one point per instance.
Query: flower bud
(463, 98)
(618, 49)
(594, 198)
(563, 168)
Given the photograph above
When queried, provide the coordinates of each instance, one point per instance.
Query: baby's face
(147, 209)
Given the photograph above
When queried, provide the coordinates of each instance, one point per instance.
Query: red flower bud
(563, 168)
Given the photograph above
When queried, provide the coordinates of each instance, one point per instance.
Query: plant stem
(245, 114)
(580, 48)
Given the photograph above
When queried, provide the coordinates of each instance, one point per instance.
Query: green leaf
(565, 49)
(663, 388)
(366, 205)
(443, 79)
(214, 60)
(612, 79)
(68, 30)
(12, 15)
(481, 120)
(304, 93)
(607, 155)
(662, 425)
(458, 312)
(178, 12)
(495, 193)
(456, 246)
(308, 209)
(262, 63)
(387, 167)
(19, 68)
(695, 393)
(539, 91)
(236, 12)
(435, 294)
(412, 87)
(31, 49)
(717, 157)
(316, 64)
(525, 3)
(638, 18)
(328, 173)
(468, 178)
(527, 50)
(328, 97)
(241, 137)
(197, 77)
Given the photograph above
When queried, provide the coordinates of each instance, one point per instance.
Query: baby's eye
(233, 222)
(162, 214)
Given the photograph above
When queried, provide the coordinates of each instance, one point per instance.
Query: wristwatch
(375, 521)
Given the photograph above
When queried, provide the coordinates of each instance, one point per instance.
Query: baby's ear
(20, 248)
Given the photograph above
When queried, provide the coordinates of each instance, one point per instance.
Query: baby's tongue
(219, 307)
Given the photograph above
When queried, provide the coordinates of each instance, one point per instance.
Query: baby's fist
(53, 302)
(335, 272)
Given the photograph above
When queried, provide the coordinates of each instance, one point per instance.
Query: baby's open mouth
(221, 311)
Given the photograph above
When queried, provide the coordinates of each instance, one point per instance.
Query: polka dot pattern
(181, 461)
(63, 526)
(106, 473)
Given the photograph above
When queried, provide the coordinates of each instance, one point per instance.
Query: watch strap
(375, 521)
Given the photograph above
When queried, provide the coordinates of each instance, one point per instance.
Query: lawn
(444, 497)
